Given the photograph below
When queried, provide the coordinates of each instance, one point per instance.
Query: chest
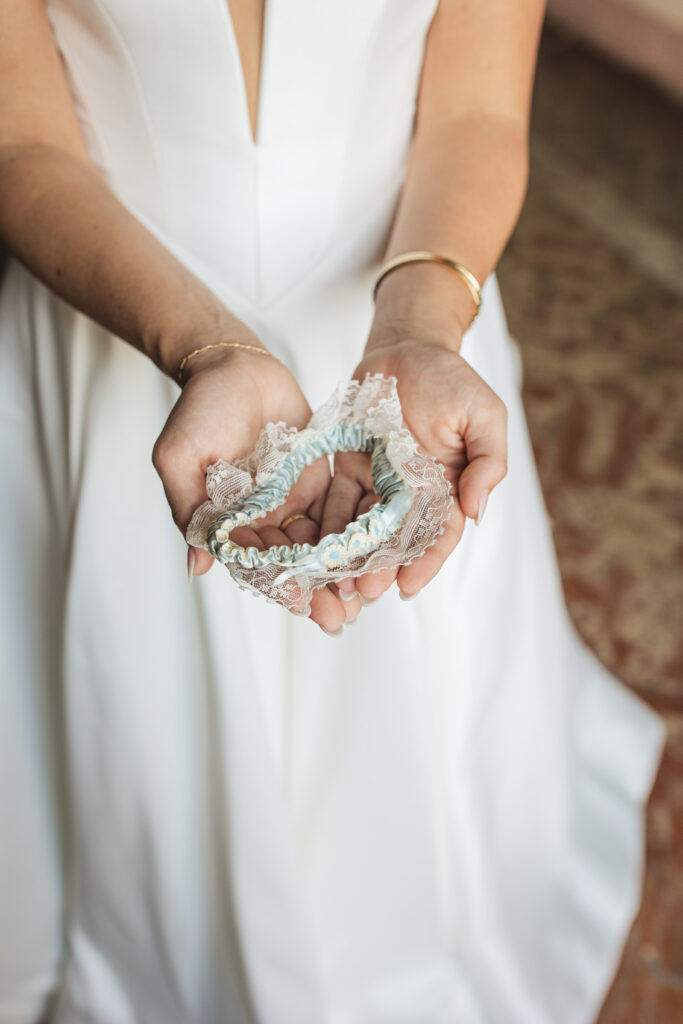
(247, 17)
(264, 137)
(283, 63)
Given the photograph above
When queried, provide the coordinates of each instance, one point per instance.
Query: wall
(647, 35)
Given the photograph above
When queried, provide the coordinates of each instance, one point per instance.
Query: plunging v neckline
(254, 137)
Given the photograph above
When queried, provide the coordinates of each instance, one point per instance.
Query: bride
(210, 812)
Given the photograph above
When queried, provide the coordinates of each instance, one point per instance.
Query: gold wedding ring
(290, 519)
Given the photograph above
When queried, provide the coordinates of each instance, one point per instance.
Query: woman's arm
(468, 167)
(59, 217)
(62, 221)
(463, 190)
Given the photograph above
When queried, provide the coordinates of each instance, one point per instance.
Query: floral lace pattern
(373, 404)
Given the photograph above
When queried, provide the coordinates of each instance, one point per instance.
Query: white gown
(210, 811)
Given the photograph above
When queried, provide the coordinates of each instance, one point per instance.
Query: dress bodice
(160, 93)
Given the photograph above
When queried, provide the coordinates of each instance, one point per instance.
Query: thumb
(486, 445)
(185, 488)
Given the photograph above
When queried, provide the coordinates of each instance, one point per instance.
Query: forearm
(60, 218)
(463, 191)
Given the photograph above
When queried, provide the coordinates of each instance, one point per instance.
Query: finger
(411, 578)
(245, 536)
(339, 510)
(326, 607)
(200, 561)
(307, 494)
(351, 604)
(372, 585)
(347, 587)
(350, 482)
(271, 536)
(352, 479)
(301, 531)
(328, 610)
(315, 509)
(486, 442)
(203, 560)
(308, 533)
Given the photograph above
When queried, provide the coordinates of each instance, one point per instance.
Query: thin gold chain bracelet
(219, 344)
(419, 256)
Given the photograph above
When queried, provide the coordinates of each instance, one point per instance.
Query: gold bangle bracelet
(420, 256)
(218, 344)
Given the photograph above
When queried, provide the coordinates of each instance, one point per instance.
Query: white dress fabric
(210, 811)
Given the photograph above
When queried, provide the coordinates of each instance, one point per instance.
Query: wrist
(424, 300)
(208, 356)
(175, 344)
(410, 333)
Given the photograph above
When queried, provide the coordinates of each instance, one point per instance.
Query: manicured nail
(351, 622)
(191, 559)
(482, 507)
(335, 632)
(368, 600)
(347, 595)
(408, 597)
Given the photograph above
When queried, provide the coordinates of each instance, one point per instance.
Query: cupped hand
(228, 397)
(456, 417)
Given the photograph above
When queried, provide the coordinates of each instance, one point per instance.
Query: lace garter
(414, 497)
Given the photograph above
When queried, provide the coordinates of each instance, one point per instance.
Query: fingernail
(368, 600)
(191, 559)
(347, 595)
(407, 597)
(351, 622)
(482, 507)
(335, 632)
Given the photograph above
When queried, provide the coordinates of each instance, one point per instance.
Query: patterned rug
(593, 286)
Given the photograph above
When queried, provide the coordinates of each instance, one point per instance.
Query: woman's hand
(456, 417)
(228, 397)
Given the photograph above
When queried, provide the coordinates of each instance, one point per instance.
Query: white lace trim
(375, 404)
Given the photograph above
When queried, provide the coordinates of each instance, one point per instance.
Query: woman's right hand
(228, 397)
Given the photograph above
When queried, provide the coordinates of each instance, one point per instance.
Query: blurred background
(593, 287)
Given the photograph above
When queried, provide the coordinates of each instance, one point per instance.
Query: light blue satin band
(360, 537)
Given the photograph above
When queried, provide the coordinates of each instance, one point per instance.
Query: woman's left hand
(456, 417)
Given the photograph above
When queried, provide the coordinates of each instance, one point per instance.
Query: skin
(462, 194)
